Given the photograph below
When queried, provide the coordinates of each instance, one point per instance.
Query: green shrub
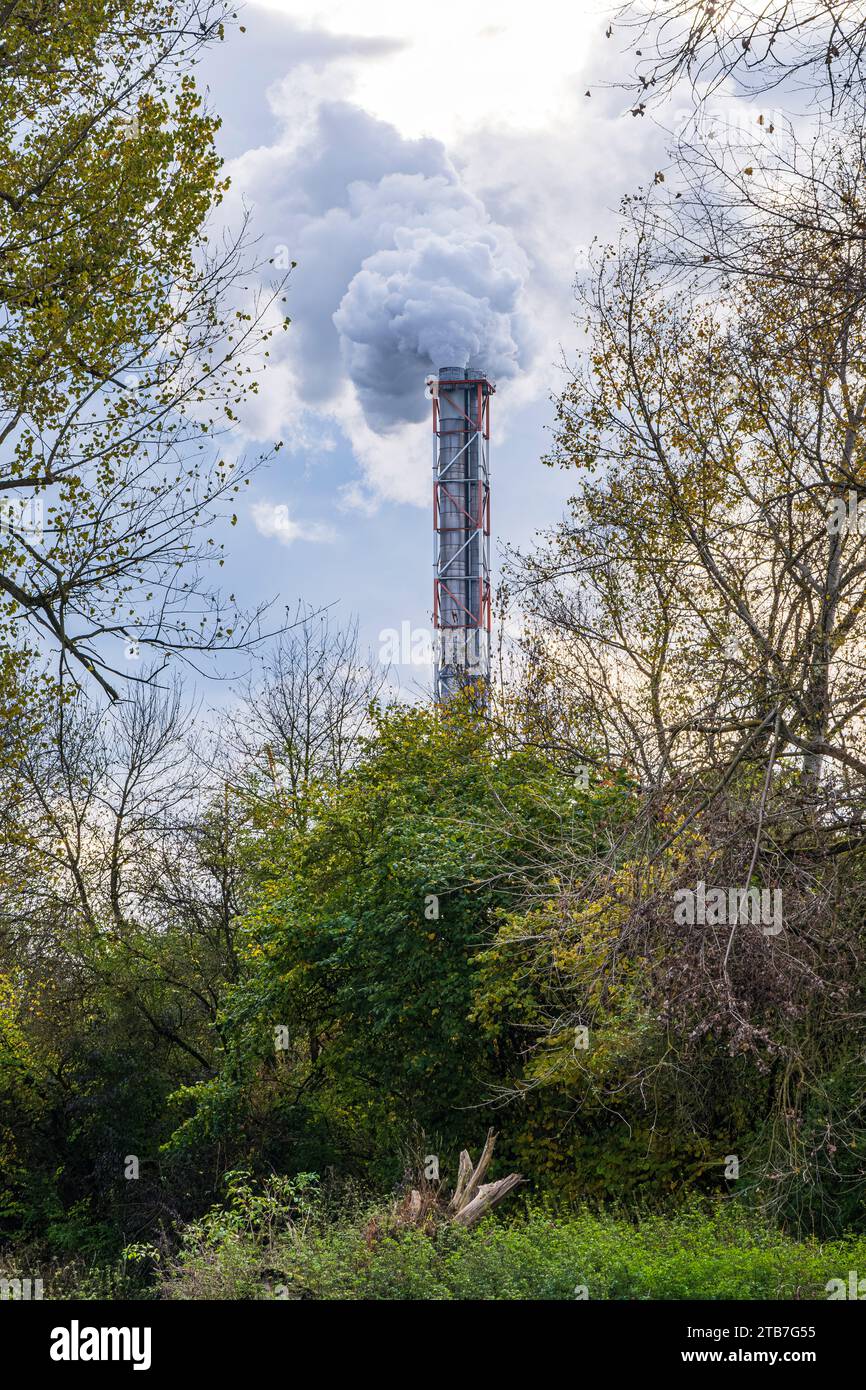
(284, 1245)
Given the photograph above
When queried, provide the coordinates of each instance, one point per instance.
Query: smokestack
(461, 526)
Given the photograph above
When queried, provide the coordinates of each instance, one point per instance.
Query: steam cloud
(443, 289)
(400, 267)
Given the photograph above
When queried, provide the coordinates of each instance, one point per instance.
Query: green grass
(697, 1254)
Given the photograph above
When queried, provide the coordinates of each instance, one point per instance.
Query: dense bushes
(363, 946)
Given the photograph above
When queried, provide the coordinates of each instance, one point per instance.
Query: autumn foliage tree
(702, 612)
(125, 338)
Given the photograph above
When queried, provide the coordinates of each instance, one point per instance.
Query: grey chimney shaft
(461, 524)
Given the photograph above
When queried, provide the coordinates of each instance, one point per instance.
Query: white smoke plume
(442, 288)
(400, 267)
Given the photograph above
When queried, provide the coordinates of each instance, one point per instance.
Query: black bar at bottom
(89, 1339)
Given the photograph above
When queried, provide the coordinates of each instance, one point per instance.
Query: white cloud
(396, 465)
(272, 519)
(456, 67)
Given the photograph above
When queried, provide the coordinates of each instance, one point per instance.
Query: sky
(436, 174)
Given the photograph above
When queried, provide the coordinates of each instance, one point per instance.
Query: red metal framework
(462, 609)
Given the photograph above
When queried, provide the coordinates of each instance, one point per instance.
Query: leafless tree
(815, 45)
(304, 717)
(115, 831)
(709, 589)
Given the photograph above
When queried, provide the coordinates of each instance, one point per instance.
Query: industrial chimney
(461, 525)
